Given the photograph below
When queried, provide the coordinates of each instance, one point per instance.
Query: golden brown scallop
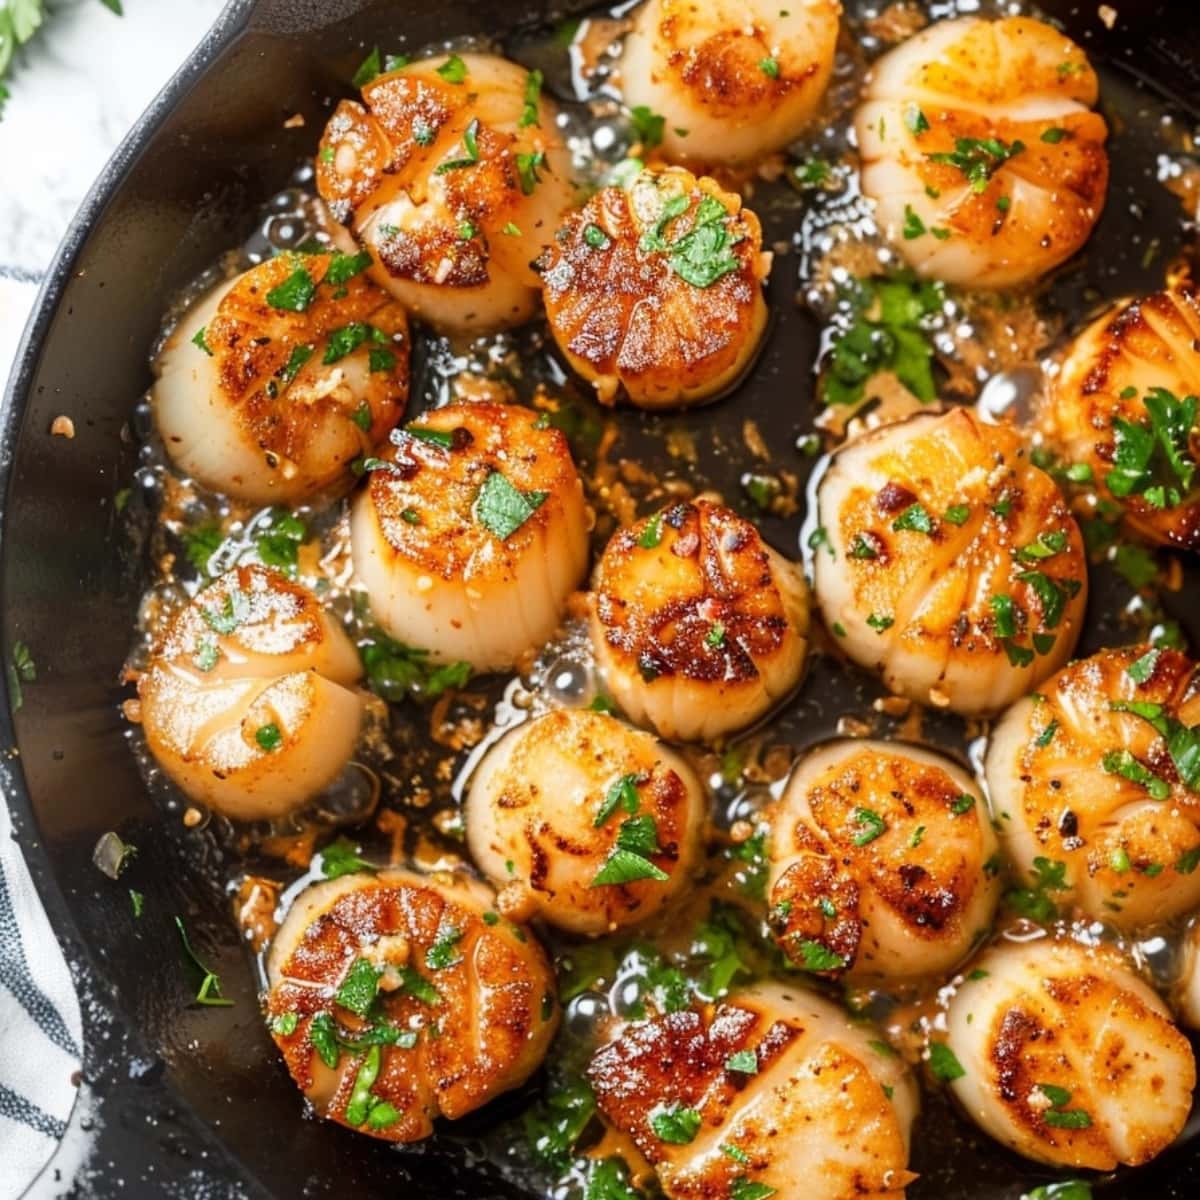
(883, 861)
(1125, 405)
(453, 173)
(587, 823)
(248, 702)
(655, 291)
(981, 152)
(733, 80)
(776, 1085)
(950, 564)
(398, 998)
(274, 383)
(697, 625)
(472, 533)
(1068, 1057)
(1098, 776)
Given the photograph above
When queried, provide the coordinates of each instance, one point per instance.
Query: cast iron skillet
(191, 1101)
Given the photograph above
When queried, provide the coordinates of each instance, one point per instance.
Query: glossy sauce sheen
(833, 689)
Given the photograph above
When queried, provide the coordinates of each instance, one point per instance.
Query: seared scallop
(981, 152)
(584, 822)
(453, 173)
(471, 534)
(249, 702)
(398, 998)
(774, 1087)
(1125, 407)
(1095, 781)
(274, 383)
(883, 862)
(733, 80)
(948, 562)
(655, 292)
(1065, 1055)
(697, 625)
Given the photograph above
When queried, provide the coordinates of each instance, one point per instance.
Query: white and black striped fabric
(40, 1030)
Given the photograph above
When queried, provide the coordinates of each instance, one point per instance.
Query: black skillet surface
(191, 1102)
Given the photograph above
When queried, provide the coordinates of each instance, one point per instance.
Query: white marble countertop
(77, 87)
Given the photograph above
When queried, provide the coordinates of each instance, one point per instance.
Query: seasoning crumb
(740, 831)
(192, 817)
(1107, 15)
(63, 427)
(892, 706)
(853, 727)
(938, 698)
(132, 710)
(295, 121)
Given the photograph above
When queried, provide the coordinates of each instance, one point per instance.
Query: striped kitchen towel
(40, 1030)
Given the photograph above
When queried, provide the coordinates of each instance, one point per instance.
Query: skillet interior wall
(71, 581)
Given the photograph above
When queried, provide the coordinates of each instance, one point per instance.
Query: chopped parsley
(962, 804)
(1153, 460)
(444, 953)
(470, 140)
(1123, 763)
(943, 1063)
(1142, 669)
(295, 293)
(1054, 135)
(1046, 546)
(359, 988)
(651, 534)
(595, 237)
(342, 858)
(1033, 902)
(299, 356)
(769, 67)
(626, 866)
(533, 92)
(714, 639)
(880, 622)
(675, 1124)
(198, 340)
(269, 737)
(647, 125)
(368, 69)
(957, 514)
(453, 70)
(609, 1180)
(978, 158)
(640, 835)
(527, 170)
(870, 825)
(622, 793)
(502, 509)
(1047, 735)
(914, 518)
(885, 330)
(915, 120)
(813, 956)
(744, 1061)
(209, 991)
(233, 613)
(747, 1189)
(279, 543)
(343, 267)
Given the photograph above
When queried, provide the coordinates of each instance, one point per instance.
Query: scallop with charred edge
(821, 1102)
(274, 383)
(732, 79)
(453, 174)
(249, 702)
(656, 290)
(949, 563)
(398, 998)
(697, 625)
(981, 152)
(1068, 1057)
(1107, 410)
(573, 798)
(472, 534)
(1097, 775)
(883, 862)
